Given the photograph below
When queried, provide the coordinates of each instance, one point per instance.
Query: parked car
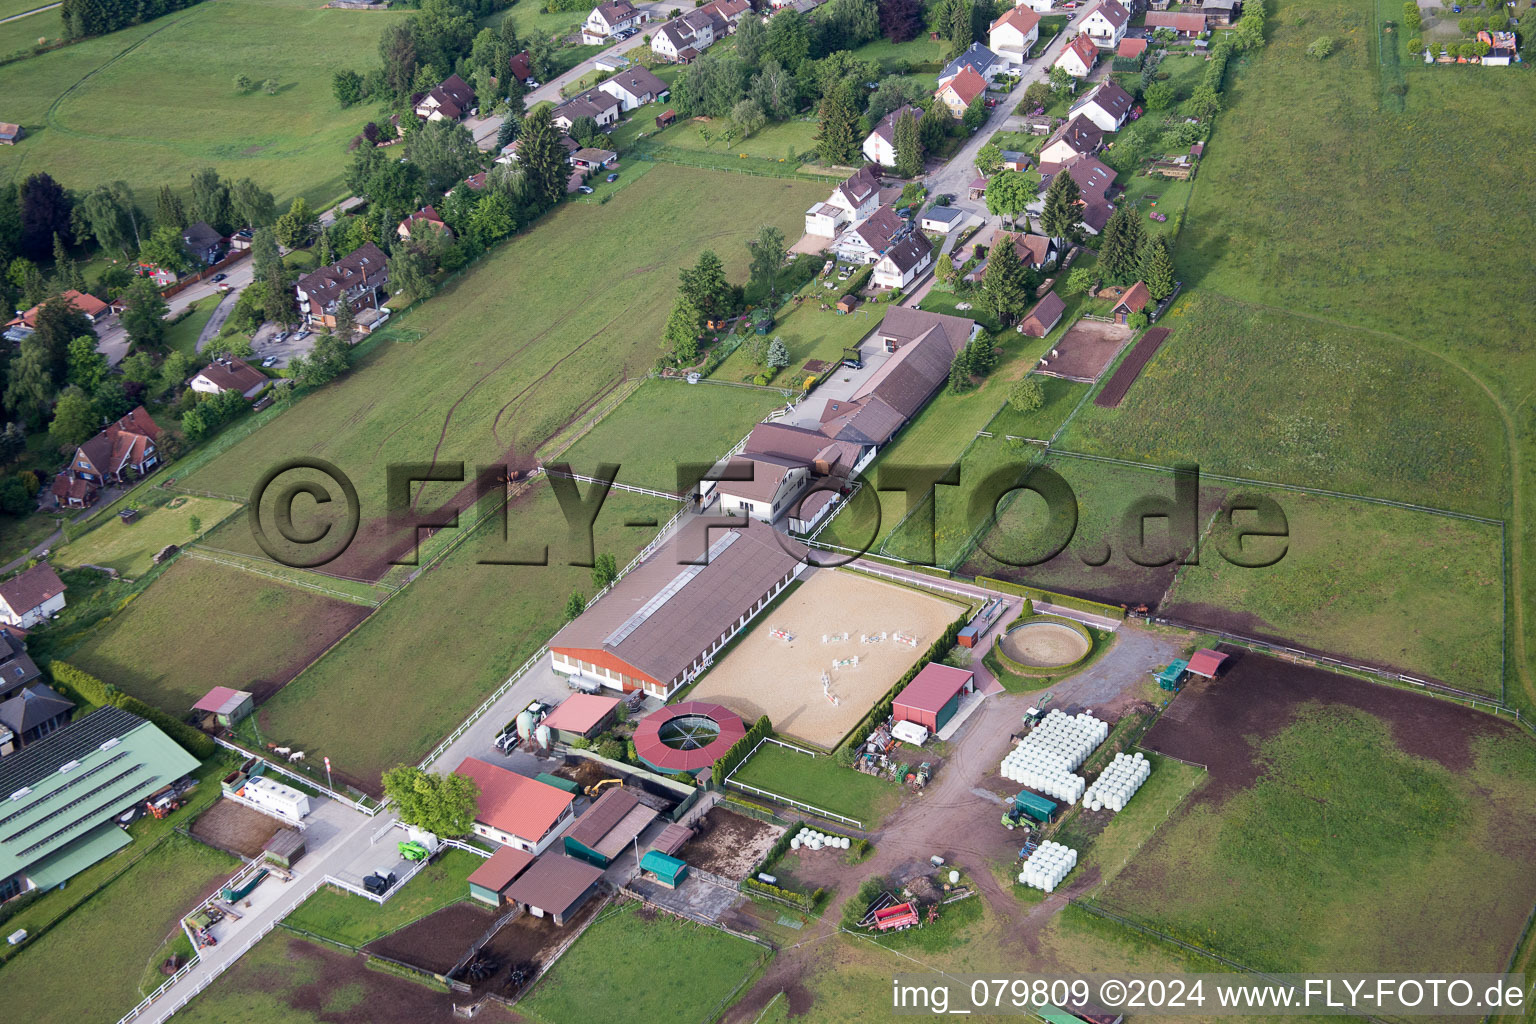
(991, 102)
(301, 336)
(613, 177)
(279, 337)
(585, 190)
(219, 277)
(270, 361)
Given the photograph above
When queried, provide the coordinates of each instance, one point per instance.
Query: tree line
(98, 17)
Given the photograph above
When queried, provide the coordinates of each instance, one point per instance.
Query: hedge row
(804, 901)
(883, 710)
(1064, 600)
(740, 749)
(92, 690)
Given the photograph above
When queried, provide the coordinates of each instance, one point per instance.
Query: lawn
(1061, 397)
(821, 782)
(1341, 849)
(24, 33)
(503, 357)
(458, 631)
(1359, 413)
(115, 934)
(611, 976)
(1346, 211)
(668, 422)
(785, 141)
(809, 332)
(182, 335)
(1414, 592)
(350, 919)
(130, 548)
(262, 632)
(152, 103)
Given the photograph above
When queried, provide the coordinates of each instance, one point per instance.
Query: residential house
(10, 134)
(360, 279)
(595, 159)
(1107, 105)
(23, 324)
(850, 203)
(600, 106)
(227, 373)
(688, 35)
(1078, 137)
(880, 144)
(1013, 35)
(124, 450)
(509, 151)
(53, 831)
(1038, 6)
(1094, 181)
(1135, 299)
(1220, 13)
(904, 262)
(1035, 251)
(868, 240)
(521, 66)
(17, 669)
(635, 87)
(1041, 320)
(1186, 24)
(30, 715)
(761, 485)
(979, 59)
(202, 243)
(957, 93)
(31, 597)
(424, 219)
(1106, 24)
(729, 11)
(452, 100)
(514, 810)
(1078, 58)
(614, 19)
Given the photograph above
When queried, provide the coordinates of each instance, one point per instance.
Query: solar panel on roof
(669, 591)
(41, 759)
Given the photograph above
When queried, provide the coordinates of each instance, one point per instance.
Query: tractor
(412, 850)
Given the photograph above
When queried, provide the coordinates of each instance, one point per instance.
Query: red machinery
(902, 915)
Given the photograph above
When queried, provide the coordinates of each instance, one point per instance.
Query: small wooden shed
(665, 118)
(285, 848)
(847, 304)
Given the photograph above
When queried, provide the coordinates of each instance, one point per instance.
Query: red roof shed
(931, 699)
(1206, 662)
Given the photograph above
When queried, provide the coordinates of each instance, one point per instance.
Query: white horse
(297, 755)
(285, 751)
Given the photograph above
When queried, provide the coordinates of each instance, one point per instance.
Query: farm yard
(1411, 591)
(268, 631)
(97, 110)
(729, 844)
(1336, 815)
(484, 618)
(500, 360)
(608, 976)
(124, 924)
(130, 548)
(767, 675)
(699, 423)
(1085, 351)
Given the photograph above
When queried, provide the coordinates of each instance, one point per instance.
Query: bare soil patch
(729, 844)
(1044, 644)
(1085, 351)
(528, 945)
(1221, 723)
(1126, 373)
(235, 828)
(766, 675)
(438, 941)
(389, 1000)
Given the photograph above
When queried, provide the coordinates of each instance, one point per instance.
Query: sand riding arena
(820, 660)
(1045, 644)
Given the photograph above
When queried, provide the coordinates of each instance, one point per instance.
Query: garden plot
(778, 669)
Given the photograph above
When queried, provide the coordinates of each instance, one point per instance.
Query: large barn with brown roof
(659, 625)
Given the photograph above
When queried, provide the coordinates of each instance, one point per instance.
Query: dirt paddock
(438, 941)
(235, 828)
(382, 999)
(729, 844)
(1085, 351)
(1045, 644)
(1220, 723)
(765, 675)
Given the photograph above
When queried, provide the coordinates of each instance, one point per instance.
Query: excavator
(595, 790)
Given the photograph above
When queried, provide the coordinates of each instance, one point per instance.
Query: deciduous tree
(768, 253)
(444, 805)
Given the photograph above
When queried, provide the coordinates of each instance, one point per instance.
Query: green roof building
(59, 795)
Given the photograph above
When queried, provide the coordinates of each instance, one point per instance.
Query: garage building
(611, 824)
(490, 881)
(933, 696)
(581, 715)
